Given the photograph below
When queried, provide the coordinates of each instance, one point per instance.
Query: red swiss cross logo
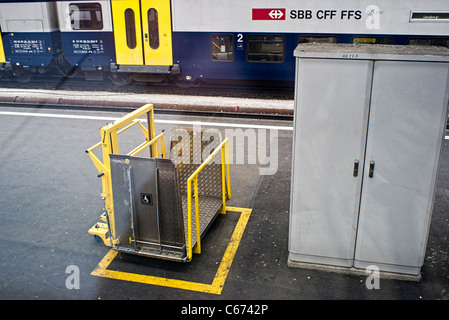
(268, 14)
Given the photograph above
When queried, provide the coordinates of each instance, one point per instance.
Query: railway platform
(202, 100)
(51, 197)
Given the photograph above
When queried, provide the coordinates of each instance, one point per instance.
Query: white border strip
(192, 123)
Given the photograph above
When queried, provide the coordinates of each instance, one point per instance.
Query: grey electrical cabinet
(368, 128)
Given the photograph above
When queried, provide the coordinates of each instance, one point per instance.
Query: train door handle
(371, 169)
(355, 172)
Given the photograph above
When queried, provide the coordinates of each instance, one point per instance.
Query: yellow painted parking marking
(220, 277)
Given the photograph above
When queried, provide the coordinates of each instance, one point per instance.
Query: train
(189, 42)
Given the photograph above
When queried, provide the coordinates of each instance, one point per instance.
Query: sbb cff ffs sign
(269, 14)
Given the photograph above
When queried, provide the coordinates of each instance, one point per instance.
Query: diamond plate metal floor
(209, 208)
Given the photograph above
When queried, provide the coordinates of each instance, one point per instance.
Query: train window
(317, 39)
(130, 25)
(153, 26)
(429, 16)
(444, 42)
(265, 48)
(372, 40)
(222, 47)
(86, 16)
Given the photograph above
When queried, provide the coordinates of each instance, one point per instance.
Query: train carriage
(30, 37)
(87, 36)
(254, 40)
(194, 41)
(129, 38)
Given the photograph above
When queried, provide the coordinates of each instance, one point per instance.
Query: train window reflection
(444, 42)
(265, 48)
(130, 25)
(317, 39)
(86, 16)
(153, 26)
(222, 47)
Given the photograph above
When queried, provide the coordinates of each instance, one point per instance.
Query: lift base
(101, 231)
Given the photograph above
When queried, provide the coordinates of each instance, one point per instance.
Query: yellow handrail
(225, 173)
(128, 126)
(146, 144)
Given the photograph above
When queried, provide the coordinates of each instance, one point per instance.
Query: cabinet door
(330, 132)
(406, 126)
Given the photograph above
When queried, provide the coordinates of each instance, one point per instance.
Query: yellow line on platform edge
(220, 277)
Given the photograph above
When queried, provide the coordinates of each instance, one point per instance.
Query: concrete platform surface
(50, 197)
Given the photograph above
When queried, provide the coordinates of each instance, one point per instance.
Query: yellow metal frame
(109, 144)
(2, 52)
(225, 178)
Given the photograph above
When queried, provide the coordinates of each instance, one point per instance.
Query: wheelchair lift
(151, 208)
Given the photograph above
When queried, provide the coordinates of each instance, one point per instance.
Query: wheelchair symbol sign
(146, 199)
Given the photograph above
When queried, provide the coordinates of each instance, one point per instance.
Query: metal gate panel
(147, 206)
(170, 204)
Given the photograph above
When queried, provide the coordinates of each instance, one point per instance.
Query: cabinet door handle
(371, 169)
(355, 172)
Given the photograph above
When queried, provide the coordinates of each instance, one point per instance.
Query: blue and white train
(190, 41)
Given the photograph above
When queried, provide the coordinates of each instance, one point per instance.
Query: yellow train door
(127, 29)
(142, 32)
(2, 52)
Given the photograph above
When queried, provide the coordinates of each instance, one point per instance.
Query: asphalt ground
(50, 197)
